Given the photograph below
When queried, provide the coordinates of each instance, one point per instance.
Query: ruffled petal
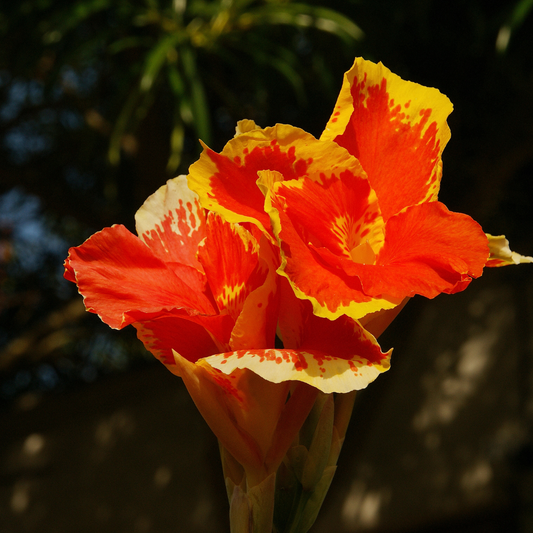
(340, 214)
(171, 223)
(501, 254)
(118, 275)
(226, 182)
(397, 129)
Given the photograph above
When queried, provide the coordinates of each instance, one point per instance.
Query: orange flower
(204, 297)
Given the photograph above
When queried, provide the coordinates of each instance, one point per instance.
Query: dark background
(100, 103)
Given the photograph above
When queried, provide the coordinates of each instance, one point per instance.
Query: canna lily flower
(317, 243)
(204, 297)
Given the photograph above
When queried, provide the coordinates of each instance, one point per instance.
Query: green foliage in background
(156, 49)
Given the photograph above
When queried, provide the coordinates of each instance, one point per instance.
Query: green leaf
(196, 91)
(303, 16)
(157, 57)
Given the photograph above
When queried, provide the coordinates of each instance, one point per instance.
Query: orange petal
(171, 223)
(121, 279)
(428, 250)
(321, 217)
(397, 129)
(256, 324)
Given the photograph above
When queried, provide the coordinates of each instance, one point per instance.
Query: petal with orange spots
(226, 182)
(322, 370)
(397, 129)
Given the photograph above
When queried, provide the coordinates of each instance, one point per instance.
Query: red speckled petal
(397, 129)
(172, 223)
(118, 276)
(322, 370)
(226, 182)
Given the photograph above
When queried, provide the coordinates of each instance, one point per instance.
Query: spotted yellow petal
(323, 371)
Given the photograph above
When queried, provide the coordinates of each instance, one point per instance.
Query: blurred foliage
(101, 101)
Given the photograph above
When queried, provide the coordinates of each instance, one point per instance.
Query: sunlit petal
(226, 182)
(172, 223)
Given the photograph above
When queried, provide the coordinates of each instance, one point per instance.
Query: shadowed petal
(242, 409)
(256, 324)
(162, 336)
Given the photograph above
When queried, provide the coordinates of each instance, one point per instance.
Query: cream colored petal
(501, 254)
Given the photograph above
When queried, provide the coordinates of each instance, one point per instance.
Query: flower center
(363, 253)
